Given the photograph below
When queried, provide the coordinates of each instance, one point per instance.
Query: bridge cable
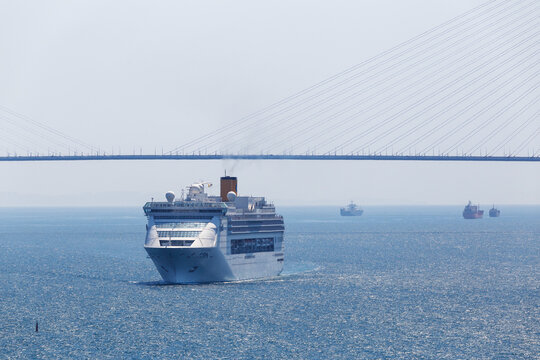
(33, 131)
(461, 112)
(324, 82)
(393, 95)
(509, 137)
(526, 142)
(494, 117)
(418, 102)
(229, 135)
(311, 127)
(448, 107)
(47, 128)
(462, 124)
(495, 131)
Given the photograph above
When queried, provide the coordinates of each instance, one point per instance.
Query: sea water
(397, 282)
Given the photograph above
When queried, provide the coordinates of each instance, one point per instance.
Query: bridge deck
(272, 157)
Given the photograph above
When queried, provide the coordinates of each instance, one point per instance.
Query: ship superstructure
(472, 211)
(203, 238)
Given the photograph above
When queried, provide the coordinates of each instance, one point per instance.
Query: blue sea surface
(395, 283)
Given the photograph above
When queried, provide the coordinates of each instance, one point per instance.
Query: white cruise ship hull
(204, 265)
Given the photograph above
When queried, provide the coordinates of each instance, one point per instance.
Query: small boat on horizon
(493, 212)
(351, 210)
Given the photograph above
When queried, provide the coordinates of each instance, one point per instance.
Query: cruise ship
(202, 238)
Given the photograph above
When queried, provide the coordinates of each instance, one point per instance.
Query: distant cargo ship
(351, 210)
(472, 212)
(494, 212)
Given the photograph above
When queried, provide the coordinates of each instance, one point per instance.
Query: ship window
(183, 225)
(237, 229)
(256, 222)
(175, 242)
(176, 234)
(243, 246)
(175, 217)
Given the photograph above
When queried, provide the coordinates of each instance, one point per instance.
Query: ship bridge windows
(178, 234)
(173, 217)
(175, 242)
(244, 246)
(183, 225)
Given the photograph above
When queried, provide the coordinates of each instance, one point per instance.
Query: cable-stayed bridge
(466, 90)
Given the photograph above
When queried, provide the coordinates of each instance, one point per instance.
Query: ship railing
(253, 217)
(186, 204)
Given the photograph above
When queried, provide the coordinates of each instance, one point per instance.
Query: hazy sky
(140, 74)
